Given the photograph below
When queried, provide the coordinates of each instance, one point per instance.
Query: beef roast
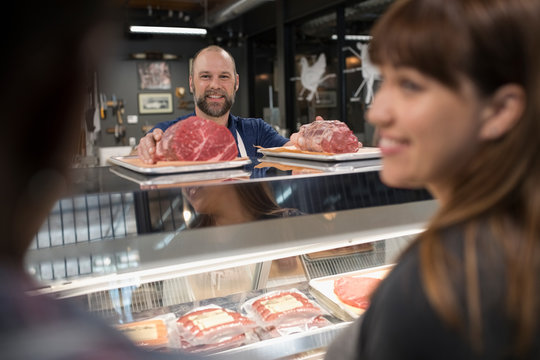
(331, 136)
(197, 139)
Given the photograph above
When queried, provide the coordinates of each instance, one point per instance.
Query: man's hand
(147, 148)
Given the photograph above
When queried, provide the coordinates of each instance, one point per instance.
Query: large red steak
(331, 136)
(197, 139)
(355, 291)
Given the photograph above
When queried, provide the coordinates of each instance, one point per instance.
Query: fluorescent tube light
(354, 37)
(167, 30)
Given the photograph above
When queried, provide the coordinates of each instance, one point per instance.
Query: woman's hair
(492, 43)
(257, 199)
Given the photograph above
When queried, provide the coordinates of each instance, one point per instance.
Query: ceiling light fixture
(354, 37)
(167, 30)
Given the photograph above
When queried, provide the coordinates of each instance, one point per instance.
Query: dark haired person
(458, 113)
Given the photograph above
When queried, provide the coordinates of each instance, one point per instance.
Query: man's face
(214, 83)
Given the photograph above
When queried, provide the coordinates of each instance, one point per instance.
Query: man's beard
(214, 110)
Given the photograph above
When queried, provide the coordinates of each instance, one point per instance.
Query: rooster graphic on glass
(311, 76)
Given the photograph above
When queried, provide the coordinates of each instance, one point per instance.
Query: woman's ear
(503, 111)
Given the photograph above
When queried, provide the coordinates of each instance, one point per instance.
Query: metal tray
(326, 166)
(168, 180)
(323, 290)
(292, 152)
(172, 167)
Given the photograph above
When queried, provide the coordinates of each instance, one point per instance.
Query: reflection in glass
(233, 204)
(89, 217)
(226, 204)
(84, 264)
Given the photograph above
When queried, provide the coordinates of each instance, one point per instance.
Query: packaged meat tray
(157, 333)
(347, 295)
(284, 312)
(212, 328)
(362, 153)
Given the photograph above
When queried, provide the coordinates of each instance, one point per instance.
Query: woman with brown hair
(227, 204)
(458, 114)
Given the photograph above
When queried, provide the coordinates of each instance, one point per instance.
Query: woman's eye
(409, 85)
(377, 84)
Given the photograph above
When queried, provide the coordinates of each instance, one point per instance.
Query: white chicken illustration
(370, 73)
(311, 77)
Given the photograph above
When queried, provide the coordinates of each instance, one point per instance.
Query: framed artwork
(154, 75)
(155, 103)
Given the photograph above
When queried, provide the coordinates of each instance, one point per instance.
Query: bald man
(214, 81)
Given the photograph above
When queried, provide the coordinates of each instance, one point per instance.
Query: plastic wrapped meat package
(214, 328)
(157, 333)
(223, 323)
(285, 312)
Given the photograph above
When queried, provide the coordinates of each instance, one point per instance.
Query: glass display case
(129, 246)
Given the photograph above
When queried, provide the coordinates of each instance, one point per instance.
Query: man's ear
(503, 111)
(190, 84)
(237, 85)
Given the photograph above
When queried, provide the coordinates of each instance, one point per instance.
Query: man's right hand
(147, 148)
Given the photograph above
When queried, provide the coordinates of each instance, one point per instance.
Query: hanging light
(167, 30)
(354, 37)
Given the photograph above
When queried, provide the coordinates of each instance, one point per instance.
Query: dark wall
(120, 78)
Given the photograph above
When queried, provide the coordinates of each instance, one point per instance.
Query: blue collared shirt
(254, 132)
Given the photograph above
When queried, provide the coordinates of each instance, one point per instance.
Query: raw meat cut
(355, 291)
(330, 136)
(197, 139)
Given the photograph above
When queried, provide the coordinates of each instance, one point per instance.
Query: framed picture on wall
(154, 75)
(155, 103)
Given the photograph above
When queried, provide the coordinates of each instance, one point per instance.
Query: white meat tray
(172, 167)
(292, 152)
(323, 290)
